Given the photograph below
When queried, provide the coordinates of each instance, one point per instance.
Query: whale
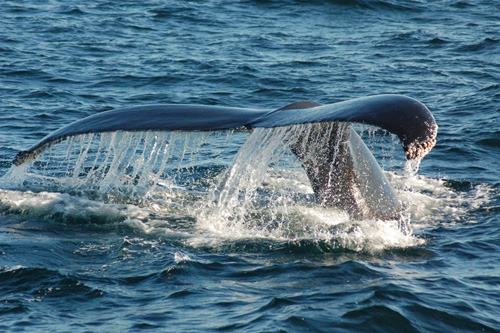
(342, 171)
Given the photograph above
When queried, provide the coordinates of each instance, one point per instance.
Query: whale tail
(342, 171)
(409, 119)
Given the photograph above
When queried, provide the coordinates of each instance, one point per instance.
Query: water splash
(411, 166)
(125, 165)
(236, 194)
(204, 187)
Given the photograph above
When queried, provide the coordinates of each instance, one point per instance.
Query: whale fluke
(341, 169)
(409, 119)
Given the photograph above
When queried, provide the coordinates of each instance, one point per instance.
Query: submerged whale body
(342, 171)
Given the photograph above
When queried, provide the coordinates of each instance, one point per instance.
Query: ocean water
(219, 231)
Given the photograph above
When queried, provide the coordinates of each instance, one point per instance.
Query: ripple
(379, 318)
(486, 45)
(435, 319)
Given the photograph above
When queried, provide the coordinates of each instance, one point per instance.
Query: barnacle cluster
(417, 150)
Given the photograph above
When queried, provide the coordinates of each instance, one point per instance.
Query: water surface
(84, 249)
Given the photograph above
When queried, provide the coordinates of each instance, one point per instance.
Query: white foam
(62, 207)
(181, 257)
(430, 201)
(174, 185)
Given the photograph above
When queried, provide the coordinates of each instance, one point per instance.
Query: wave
(42, 283)
(380, 5)
(487, 45)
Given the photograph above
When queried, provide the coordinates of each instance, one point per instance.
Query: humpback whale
(341, 169)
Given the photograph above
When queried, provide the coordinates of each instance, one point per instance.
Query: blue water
(120, 254)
